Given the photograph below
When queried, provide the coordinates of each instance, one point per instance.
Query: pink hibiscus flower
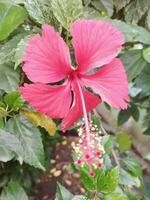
(47, 60)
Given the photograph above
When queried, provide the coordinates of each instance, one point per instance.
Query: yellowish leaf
(39, 119)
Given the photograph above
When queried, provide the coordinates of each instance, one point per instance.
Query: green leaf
(108, 182)
(133, 166)
(120, 4)
(135, 10)
(147, 131)
(131, 196)
(124, 142)
(20, 50)
(7, 50)
(135, 112)
(148, 19)
(107, 142)
(123, 116)
(41, 11)
(13, 100)
(9, 78)
(62, 193)
(11, 16)
(127, 179)
(132, 33)
(13, 191)
(146, 54)
(115, 196)
(30, 139)
(1, 123)
(67, 11)
(108, 4)
(88, 181)
(133, 62)
(10, 147)
(143, 80)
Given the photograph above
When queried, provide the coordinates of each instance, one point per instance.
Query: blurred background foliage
(27, 138)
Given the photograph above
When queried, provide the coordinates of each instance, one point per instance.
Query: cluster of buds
(89, 149)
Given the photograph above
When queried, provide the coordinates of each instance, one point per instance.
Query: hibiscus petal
(47, 58)
(76, 111)
(48, 99)
(95, 42)
(110, 82)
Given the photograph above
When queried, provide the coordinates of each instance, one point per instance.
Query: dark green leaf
(62, 193)
(11, 16)
(115, 196)
(147, 131)
(13, 100)
(9, 78)
(30, 139)
(133, 166)
(123, 116)
(135, 112)
(10, 147)
(13, 191)
(124, 142)
(133, 62)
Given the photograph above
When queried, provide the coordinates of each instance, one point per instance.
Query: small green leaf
(107, 142)
(13, 191)
(133, 166)
(115, 196)
(11, 16)
(147, 131)
(13, 100)
(62, 193)
(10, 147)
(30, 139)
(108, 182)
(2, 123)
(9, 78)
(67, 11)
(135, 112)
(146, 54)
(123, 116)
(20, 50)
(124, 142)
